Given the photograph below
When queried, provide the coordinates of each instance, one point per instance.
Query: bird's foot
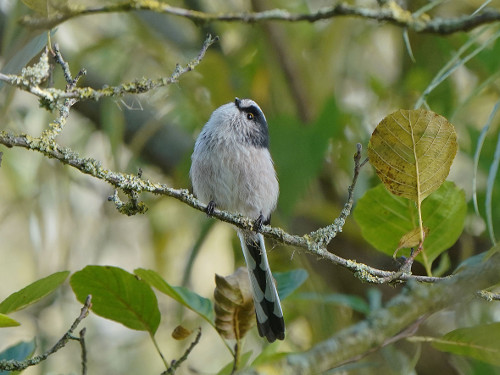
(210, 208)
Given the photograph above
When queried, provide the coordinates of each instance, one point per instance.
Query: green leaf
(271, 353)
(288, 281)
(45, 8)
(354, 302)
(412, 151)
(228, 369)
(118, 295)
(480, 342)
(475, 367)
(384, 218)
(489, 58)
(33, 292)
(18, 352)
(200, 305)
(6, 321)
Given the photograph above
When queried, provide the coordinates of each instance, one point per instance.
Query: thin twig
(324, 235)
(390, 12)
(176, 363)
(50, 96)
(12, 365)
(81, 339)
(64, 65)
(56, 126)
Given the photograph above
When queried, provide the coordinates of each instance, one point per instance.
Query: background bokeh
(323, 86)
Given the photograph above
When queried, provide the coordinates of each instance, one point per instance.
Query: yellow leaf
(47, 8)
(234, 309)
(412, 151)
(39, 6)
(411, 239)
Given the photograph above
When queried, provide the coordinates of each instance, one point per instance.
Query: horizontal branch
(314, 243)
(132, 185)
(391, 13)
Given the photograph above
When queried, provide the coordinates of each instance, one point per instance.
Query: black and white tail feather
(232, 169)
(270, 321)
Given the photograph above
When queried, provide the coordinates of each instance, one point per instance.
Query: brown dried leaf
(234, 308)
(180, 332)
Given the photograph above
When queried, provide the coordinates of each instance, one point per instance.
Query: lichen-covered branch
(384, 326)
(56, 126)
(132, 186)
(390, 12)
(30, 79)
(314, 243)
(12, 365)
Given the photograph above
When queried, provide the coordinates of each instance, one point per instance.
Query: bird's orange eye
(250, 116)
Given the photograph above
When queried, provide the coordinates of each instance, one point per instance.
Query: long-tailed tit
(232, 169)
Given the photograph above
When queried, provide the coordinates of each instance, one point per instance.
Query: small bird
(232, 170)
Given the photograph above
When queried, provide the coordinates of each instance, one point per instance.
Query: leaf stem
(155, 343)
(426, 263)
(422, 238)
(237, 353)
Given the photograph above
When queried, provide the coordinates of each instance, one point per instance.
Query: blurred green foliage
(352, 72)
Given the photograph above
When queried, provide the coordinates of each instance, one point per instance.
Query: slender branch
(390, 12)
(315, 243)
(324, 235)
(175, 364)
(81, 340)
(57, 125)
(12, 365)
(50, 96)
(132, 185)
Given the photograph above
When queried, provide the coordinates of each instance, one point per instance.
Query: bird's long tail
(265, 296)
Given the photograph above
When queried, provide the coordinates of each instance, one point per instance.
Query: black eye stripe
(256, 134)
(252, 110)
